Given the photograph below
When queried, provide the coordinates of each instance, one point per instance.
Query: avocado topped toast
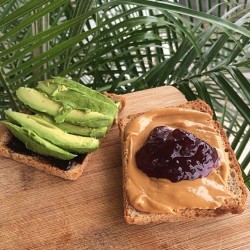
(63, 125)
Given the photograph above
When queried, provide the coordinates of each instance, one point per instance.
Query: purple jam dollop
(176, 155)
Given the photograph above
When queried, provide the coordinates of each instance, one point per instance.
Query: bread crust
(39, 162)
(232, 205)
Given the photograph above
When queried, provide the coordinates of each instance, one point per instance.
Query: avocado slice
(38, 145)
(90, 119)
(49, 132)
(78, 100)
(70, 84)
(38, 101)
(42, 103)
(75, 129)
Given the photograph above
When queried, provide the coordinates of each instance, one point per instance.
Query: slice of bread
(235, 184)
(43, 163)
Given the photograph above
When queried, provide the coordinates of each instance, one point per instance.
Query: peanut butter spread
(161, 195)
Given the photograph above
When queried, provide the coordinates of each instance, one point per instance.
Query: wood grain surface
(39, 211)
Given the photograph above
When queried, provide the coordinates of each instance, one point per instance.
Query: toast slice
(234, 183)
(12, 148)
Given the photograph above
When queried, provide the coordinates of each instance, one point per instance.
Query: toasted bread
(235, 185)
(46, 164)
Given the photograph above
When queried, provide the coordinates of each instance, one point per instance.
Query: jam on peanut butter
(176, 155)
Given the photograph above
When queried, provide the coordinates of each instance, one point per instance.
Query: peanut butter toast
(156, 200)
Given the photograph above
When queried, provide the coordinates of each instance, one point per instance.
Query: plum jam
(176, 155)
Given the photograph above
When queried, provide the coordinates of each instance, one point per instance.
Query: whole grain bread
(41, 162)
(235, 181)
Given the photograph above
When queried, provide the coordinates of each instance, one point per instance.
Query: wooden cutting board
(39, 211)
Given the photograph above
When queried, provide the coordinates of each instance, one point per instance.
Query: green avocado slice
(90, 119)
(38, 145)
(70, 84)
(42, 103)
(75, 129)
(78, 100)
(49, 132)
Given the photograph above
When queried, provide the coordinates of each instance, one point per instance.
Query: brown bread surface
(235, 181)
